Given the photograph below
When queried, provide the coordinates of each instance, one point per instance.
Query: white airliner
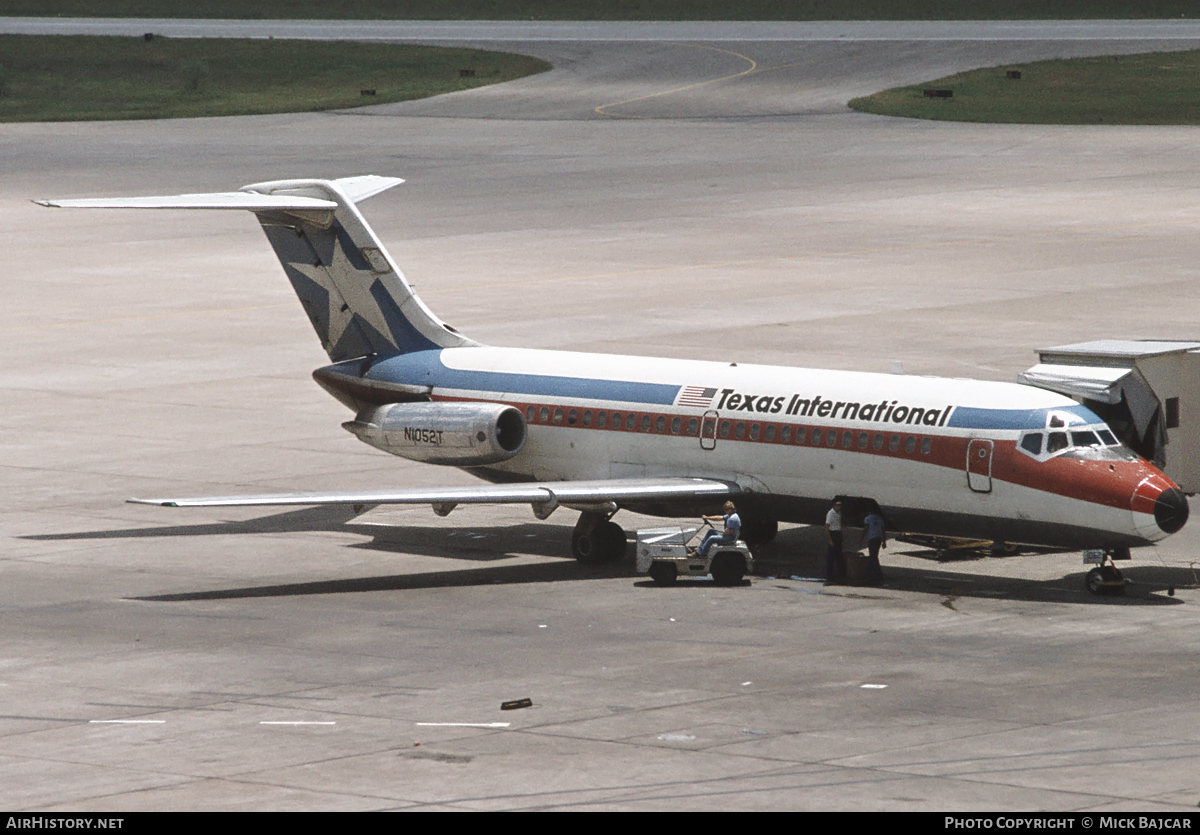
(597, 433)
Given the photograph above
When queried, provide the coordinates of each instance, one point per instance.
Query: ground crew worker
(875, 534)
(728, 536)
(835, 560)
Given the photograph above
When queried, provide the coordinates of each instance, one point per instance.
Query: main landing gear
(596, 540)
(1106, 578)
(758, 530)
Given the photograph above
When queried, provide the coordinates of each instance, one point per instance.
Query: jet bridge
(1148, 391)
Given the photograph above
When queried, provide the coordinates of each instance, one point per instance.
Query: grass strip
(1159, 88)
(50, 78)
(610, 9)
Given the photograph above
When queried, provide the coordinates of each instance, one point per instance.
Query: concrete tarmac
(653, 197)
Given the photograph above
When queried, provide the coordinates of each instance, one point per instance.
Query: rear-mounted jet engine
(460, 434)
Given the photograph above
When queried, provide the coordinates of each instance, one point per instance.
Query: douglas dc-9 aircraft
(595, 433)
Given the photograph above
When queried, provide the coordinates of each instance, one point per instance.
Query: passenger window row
(629, 421)
(738, 430)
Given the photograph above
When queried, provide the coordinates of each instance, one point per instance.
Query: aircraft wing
(543, 496)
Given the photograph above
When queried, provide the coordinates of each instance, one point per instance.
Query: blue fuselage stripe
(966, 417)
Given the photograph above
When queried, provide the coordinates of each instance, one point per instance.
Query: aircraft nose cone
(1171, 510)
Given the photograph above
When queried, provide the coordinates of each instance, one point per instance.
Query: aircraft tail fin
(357, 299)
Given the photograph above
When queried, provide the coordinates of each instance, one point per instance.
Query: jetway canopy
(1099, 383)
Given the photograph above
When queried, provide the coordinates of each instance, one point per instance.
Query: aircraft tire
(759, 530)
(603, 543)
(1097, 583)
(663, 573)
(587, 547)
(728, 568)
(614, 544)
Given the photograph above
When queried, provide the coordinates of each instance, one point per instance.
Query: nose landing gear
(1105, 578)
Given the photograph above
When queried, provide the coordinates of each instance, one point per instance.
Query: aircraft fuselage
(950, 457)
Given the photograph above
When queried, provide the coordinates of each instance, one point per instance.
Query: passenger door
(979, 465)
(708, 430)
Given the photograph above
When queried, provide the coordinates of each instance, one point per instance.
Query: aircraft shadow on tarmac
(1066, 590)
(477, 543)
(332, 517)
(493, 575)
(796, 553)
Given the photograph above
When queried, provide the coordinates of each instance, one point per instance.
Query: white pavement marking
(463, 724)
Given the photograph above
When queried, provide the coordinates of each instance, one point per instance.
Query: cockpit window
(1074, 440)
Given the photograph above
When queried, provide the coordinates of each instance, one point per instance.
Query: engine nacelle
(460, 434)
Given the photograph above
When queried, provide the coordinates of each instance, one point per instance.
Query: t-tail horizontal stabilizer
(358, 301)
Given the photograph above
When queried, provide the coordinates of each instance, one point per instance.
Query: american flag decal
(696, 396)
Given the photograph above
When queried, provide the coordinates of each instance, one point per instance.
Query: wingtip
(155, 502)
